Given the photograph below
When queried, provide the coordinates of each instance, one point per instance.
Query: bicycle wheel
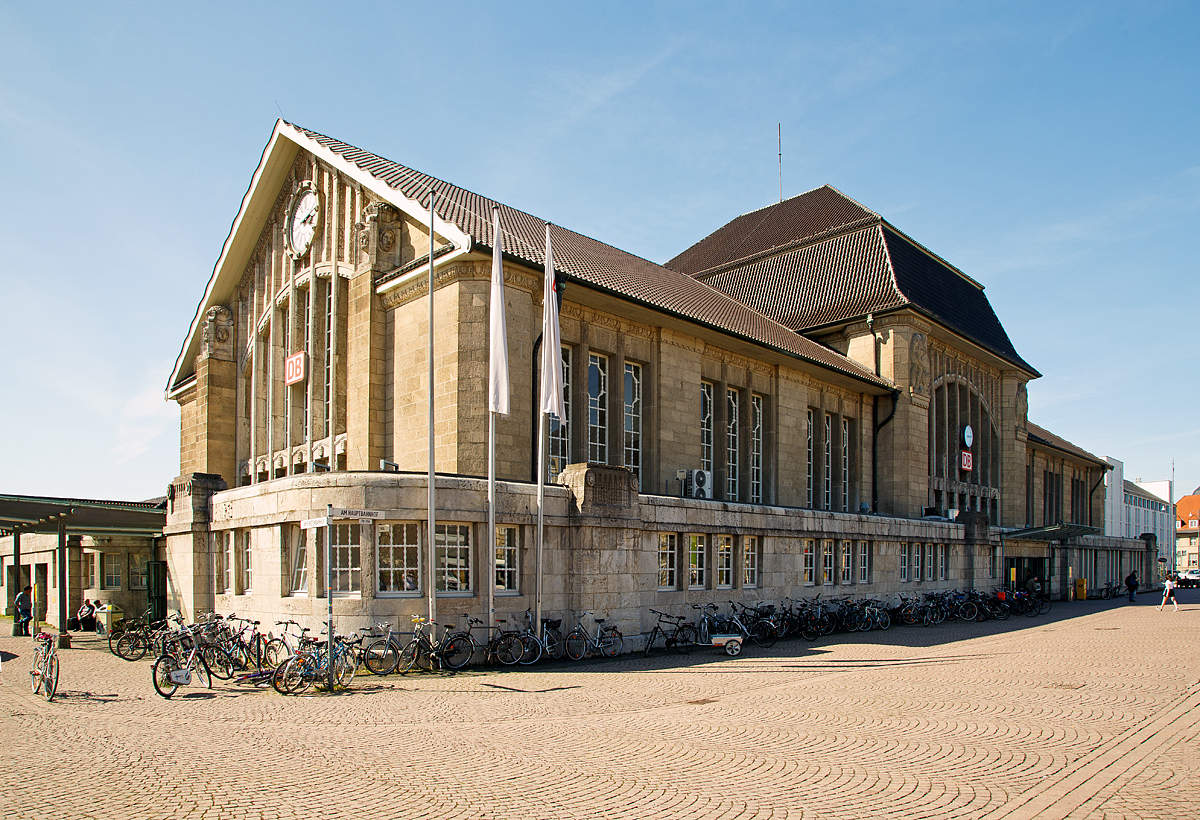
(217, 662)
(161, 675)
(35, 674)
(555, 647)
(281, 678)
(276, 652)
(50, 677)
(883, 619)
(416, 654)
(129, 646)
(509, 649)
(703, 633)
(827, 623)
(968, 611)
(113, 637)
(654, 633)
(381, 657)
(345, 665)
(611, 642)
(1043, 606)
(1001, 611)
(457, 652)
(853, 621)
(763, 634)
(203, 674)
(576, 644)
(532, 649)
(810, 629)
(685, 638)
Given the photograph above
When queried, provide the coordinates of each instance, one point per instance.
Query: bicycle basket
(552, 624)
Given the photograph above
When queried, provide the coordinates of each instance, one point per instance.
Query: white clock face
(306, 214)
(968, 435)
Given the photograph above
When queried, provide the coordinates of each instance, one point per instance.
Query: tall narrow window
(111, 562)
(326, 386)
(508, 576)
(398, 553)
(346, 563)
(633, 419)
(137, 570)
(827, 562)
(944, 563)
(929, 568)
(560, 429)
(90, 560)
(286, 325)
(697, 561)
(811, 472)
(847, 556)
(750, 561)
(244, 558)
(221, 561)
(706, 426)
(864, 562)
(666, 560)
(827, 465)
(905, 552)
(810, 558)
(732, 443)
(304, 386)
(452, 552)
(992, 562)
(846, 465)
(299, 562)
(724, 562)
(756, 449)
(597, 408)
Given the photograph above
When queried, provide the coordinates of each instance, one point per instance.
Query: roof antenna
(280, 111)
(780, 161)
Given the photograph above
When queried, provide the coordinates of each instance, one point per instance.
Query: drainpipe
(875, 415)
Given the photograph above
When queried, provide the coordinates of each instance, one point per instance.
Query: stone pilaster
(188, 545)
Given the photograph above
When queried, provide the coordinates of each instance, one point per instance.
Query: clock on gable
(303, 219)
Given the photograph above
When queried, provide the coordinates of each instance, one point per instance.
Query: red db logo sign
(294, 369)
(968, 462)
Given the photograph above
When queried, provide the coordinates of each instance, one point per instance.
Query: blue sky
(1049, 150)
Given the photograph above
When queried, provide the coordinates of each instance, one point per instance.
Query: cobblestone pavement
(1089, 712)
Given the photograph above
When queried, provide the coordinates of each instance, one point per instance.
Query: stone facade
(810, 464)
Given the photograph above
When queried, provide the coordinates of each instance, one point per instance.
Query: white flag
(498, 359)
(552, 374)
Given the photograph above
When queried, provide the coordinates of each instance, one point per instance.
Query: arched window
(963, 476)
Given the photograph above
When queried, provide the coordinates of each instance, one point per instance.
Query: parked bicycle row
(294, 660)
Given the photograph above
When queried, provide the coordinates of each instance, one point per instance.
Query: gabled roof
(1040, 435)
(464, 218)
(1132, 488)
(820, 258)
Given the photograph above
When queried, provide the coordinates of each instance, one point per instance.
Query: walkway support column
(64, 639)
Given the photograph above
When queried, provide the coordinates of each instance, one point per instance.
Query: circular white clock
(968, 435)
(304, 216)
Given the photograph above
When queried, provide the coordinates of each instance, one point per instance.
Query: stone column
(188, 542)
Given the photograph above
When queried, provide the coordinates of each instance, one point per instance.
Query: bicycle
(502, 646)
(44, 674)
(453, 650)
(173, 669)
(681, 637)
(608, 641)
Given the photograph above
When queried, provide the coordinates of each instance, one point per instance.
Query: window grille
(597, 408)
(398, 554)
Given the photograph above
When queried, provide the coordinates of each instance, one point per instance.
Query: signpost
(332, 512)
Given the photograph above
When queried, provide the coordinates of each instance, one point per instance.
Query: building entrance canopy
(36, 514)
(1052, 532)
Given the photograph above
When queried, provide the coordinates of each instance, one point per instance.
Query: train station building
(806, 400)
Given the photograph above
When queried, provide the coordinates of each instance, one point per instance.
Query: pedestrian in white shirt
(1169, 593)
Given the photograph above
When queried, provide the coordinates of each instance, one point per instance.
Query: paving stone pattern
(1090, 712)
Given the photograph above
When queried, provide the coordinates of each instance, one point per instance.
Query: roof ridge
(795, 244)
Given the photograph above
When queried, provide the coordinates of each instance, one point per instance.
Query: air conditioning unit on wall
(698, 484)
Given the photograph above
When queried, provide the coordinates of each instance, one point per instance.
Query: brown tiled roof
(773, 229)
(843, 262)
(594, 262)
(1040, 435)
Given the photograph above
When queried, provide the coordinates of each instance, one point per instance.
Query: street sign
(313, 523)
(339, 512)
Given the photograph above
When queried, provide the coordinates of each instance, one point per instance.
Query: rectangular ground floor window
(667, 559)
(750, 561)
(508, 576)
(112, 570)
(810, 567)
(864, 562)
(724, 562)
(137, 571)
(697, 561)
(452, 554)
(346, 560)
(398, 554)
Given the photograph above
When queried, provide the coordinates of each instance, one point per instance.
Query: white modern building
(1134, 508)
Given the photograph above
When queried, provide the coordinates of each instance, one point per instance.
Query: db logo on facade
(294, 369)
(968, 463)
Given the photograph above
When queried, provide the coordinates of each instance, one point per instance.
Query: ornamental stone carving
(216, 340)
(918, 364)
(1022, 406)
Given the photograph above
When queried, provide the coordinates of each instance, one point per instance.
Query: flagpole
(552, 402)
(432, 492)
(497, 403)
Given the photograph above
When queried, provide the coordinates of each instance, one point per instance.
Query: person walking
(1169, 593)
(24, 606)
(1131, 585)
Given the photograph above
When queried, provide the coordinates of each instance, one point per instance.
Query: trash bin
(109, 615)
(1081, 589)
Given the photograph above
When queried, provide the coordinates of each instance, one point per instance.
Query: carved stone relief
(216, 340)
(1022, 406)
(918, 364)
